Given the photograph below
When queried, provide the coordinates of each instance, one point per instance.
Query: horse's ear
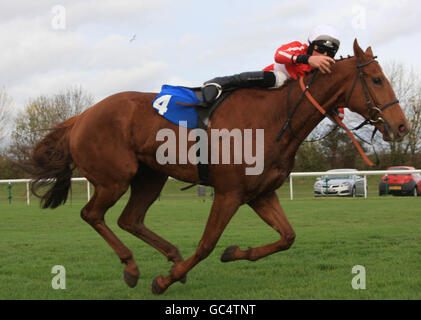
(369, 52)
(358, 52)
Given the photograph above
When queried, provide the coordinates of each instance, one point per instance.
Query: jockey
(292, 60)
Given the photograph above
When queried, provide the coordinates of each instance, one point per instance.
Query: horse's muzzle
(389, 134)
(403, 130)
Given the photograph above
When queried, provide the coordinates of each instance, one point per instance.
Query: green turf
(333, 235)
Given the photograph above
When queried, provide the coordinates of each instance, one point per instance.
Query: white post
(89, 190)
(290, 187)
(27, 193)
(365, 186)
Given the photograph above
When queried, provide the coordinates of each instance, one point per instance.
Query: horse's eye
(377, 81)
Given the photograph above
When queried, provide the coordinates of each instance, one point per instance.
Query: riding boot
(212, 89)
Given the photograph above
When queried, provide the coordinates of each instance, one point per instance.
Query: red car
(400, 184)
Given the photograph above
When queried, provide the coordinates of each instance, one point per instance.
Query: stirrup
(217, 86)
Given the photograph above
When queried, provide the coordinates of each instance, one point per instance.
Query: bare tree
(41, 114)
(413, 113)
(407, 86)
(5, 107)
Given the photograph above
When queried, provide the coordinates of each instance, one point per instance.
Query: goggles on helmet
(322, 46)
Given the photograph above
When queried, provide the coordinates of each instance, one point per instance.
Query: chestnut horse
(114, 145)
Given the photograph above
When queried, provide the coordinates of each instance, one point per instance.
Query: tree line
(328, 147)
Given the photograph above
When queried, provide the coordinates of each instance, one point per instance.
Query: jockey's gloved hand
(323, 63)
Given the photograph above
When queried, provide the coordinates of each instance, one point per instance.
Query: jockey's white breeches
(281, 74)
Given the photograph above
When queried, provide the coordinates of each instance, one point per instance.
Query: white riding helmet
(325, 32)
(324, 38)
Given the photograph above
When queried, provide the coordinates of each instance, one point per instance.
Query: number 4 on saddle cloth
(176, 104)
(166, 105)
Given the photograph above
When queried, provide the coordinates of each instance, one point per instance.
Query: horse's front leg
(270, 210)
(223, 208)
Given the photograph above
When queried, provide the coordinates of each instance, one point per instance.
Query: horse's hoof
(130, 279)
(228, 254)
(156, 288)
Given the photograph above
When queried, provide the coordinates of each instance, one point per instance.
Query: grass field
(333, 235)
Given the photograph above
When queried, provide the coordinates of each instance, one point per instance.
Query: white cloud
(31, 48)
(185, 42)
(102, 83)
(401, 23)
(37, 59)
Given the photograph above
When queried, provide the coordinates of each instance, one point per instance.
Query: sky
(112, 46)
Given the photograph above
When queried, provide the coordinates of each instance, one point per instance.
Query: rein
(336, 119)
(292, 112)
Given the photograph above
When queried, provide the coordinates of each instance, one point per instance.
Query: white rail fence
(28, 192)
(292, 175)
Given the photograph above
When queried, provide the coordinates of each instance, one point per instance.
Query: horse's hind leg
(93, 213)
(145, 189)
(269, 209)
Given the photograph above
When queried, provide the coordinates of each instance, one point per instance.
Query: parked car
(347, 184)
(400, 184)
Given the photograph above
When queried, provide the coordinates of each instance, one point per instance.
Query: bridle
(377, 110)
(373, 107)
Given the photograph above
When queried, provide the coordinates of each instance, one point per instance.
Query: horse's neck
(328, 91)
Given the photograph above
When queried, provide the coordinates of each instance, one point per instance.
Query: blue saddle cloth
(166, 105)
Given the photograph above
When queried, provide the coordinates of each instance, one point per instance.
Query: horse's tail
(51, 164)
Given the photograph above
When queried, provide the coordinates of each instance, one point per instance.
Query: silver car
(347, 184)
